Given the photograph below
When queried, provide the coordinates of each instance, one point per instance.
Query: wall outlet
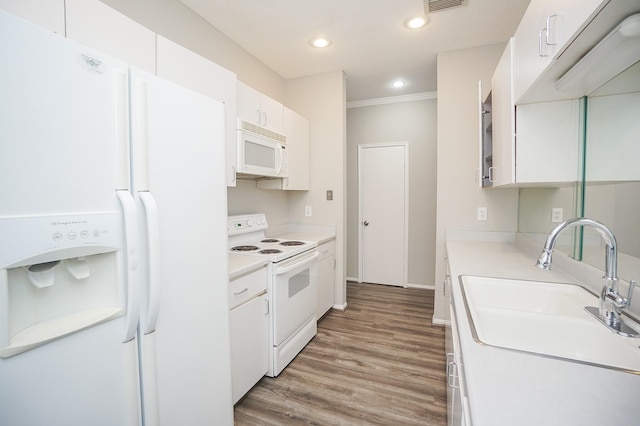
(556, 214)
(482, 213)
(307, 211)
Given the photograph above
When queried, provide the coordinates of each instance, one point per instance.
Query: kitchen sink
(545, 319)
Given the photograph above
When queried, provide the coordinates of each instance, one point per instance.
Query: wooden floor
(380, 362)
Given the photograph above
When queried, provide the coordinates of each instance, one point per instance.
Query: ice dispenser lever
(42, 274)
(77, 267)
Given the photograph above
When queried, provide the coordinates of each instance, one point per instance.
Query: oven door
(294, 293)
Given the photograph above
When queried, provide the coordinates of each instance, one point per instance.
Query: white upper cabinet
(503, 120)
(297, 132)
(94, 24)
(259, 109)
(47, 14)
(296, 129)
(546, 29)
(534, 143)
(197, 73)
(548, 142)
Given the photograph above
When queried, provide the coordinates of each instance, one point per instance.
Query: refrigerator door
(179, 163)
(63, 153)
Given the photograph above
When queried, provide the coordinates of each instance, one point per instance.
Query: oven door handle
(307, 259)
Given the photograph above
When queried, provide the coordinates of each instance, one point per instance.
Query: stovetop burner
(291, 243)
(270, 251)
(244, 248)
(270, 240)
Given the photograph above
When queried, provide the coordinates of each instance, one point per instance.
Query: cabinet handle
(491, 175)
(265, 116)
(548, 37)
(237, 293)
(259, 120)
(542, 55)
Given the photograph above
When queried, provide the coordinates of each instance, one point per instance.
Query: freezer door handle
(131, 262)
(153, 250)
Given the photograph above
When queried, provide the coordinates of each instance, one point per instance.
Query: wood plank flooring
(380, 362)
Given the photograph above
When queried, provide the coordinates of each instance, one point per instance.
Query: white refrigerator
(113, 264)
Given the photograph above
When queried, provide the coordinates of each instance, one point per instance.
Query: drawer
(247, 286)
(327, 249)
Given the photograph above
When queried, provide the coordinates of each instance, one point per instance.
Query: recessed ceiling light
(416, 22)
(398, 84)
(320, 42)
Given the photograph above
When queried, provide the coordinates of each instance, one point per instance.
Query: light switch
(329, 194)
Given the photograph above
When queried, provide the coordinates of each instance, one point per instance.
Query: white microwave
(261, 152)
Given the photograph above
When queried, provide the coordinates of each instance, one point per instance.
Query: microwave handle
(281, 149)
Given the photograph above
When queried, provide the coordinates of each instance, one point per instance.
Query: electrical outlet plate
(307, 211)
(482, 213)
(556, 214)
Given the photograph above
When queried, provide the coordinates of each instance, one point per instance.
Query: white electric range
(291, 288)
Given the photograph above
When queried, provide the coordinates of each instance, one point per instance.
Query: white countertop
(241, 264)
(319, 233)
(512, 388)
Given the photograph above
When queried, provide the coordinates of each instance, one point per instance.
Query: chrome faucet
(611, 302)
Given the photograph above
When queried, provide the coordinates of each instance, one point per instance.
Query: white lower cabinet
(249, 331)
(326, 277)
(457, 400)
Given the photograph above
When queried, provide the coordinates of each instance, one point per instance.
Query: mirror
(610, 192)
(612, 170)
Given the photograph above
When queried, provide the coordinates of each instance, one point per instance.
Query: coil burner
(291, 243)
(244, 248)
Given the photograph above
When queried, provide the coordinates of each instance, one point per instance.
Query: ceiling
(370, 42)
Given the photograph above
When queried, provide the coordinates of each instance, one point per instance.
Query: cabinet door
(326, 278)
(548, 142)
(261, 110)
(94, 24)
(546, 28)
(272, 114)
(503, 120)
(248, 107)
(249, 325)
(297, 132)
(194, 72)
(47, 14)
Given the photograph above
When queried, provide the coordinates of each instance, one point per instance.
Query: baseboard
(355, 280)
(340, 307)
(422, 286)
(438, 321)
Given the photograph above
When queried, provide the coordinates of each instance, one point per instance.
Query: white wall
(458, 193)
(322, 100)
(414, 122)
(180, 24)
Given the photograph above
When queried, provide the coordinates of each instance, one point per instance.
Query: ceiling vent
(436, 5)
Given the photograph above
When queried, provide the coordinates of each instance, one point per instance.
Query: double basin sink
(545, 319)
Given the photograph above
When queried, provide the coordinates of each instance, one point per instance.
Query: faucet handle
(632, 285)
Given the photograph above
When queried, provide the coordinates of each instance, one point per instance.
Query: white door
(383, 192)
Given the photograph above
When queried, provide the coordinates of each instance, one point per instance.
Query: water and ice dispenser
(58, 275)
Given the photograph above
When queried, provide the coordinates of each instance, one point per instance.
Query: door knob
(365, 223)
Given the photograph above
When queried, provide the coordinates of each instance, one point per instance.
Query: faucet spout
(611, 302)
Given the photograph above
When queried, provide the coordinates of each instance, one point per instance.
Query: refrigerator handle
(153, 249)
(131, 257)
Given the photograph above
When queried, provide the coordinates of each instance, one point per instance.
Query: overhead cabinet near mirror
(546, 29)
(533, 143)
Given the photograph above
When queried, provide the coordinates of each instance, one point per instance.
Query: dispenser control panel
(46, 238)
